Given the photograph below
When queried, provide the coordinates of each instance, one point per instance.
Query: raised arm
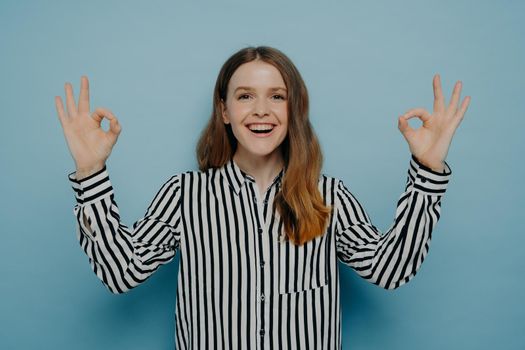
(393, 258)
(121, 257)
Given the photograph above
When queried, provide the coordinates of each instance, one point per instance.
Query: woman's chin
(262, 152)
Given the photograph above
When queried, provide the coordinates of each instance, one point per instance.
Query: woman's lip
(260, 124)
(262, 134)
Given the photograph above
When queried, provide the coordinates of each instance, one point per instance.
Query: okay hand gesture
(430, 143)
(88, 143)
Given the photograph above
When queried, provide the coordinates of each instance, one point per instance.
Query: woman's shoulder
(329, 181)
(337, 184)
(324, 177)
(192, 174)
(326, 180)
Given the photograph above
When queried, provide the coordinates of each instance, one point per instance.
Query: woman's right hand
(88, 143)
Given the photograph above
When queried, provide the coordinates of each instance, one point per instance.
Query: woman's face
(257, 108)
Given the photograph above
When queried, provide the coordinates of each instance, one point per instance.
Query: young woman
(259, 230)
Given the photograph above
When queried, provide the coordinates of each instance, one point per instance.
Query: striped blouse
(240, 285)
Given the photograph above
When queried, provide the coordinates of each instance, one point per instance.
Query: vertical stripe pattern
(240, 284)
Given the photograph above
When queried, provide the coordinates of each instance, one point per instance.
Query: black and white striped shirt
(240, 285)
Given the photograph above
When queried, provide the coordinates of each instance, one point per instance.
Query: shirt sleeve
(123, 257)
(391, 259)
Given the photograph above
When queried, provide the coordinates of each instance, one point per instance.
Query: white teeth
(261, 127)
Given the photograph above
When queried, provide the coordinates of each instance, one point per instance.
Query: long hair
(299, 201)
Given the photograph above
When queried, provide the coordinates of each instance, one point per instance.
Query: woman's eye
(245, 96)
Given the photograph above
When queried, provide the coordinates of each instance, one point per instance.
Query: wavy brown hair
(299, 201)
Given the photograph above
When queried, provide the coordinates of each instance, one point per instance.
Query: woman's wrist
(438, 167)
(82, 173)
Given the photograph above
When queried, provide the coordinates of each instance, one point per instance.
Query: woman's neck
(263, 169)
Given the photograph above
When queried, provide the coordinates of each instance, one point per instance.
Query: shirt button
(423, 180)
(265, 201)
(262, 297)
(262, 263)
(259, 230)
(261, 332)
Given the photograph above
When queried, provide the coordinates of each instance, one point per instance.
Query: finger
(60, 109)
(403, 125)
(463, 108)
(70, 100)
(420, 113)
(115, 127)
(439, 100)
(83, 101)
(101, 113)
(453, 106)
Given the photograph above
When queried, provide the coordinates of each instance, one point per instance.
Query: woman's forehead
(257, 75)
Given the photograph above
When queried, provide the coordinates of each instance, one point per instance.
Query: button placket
(262, 243)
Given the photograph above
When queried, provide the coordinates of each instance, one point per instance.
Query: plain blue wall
(364, 63)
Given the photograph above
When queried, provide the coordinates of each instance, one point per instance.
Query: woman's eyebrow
(252, 89)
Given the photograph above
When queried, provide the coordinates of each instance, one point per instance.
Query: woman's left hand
(430, 143)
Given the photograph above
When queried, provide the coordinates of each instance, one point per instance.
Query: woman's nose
(261, 107)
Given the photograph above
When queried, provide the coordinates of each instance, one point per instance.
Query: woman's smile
(261, 129)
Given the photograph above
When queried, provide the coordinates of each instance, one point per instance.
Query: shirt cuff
(91, 188)
(427, 180)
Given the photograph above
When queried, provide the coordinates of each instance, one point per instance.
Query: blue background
(154, 65)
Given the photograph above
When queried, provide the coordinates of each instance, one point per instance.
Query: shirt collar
(236, 177)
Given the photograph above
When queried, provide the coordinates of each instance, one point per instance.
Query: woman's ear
(224, 114)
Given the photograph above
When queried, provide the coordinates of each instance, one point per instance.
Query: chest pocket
(305, 267)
